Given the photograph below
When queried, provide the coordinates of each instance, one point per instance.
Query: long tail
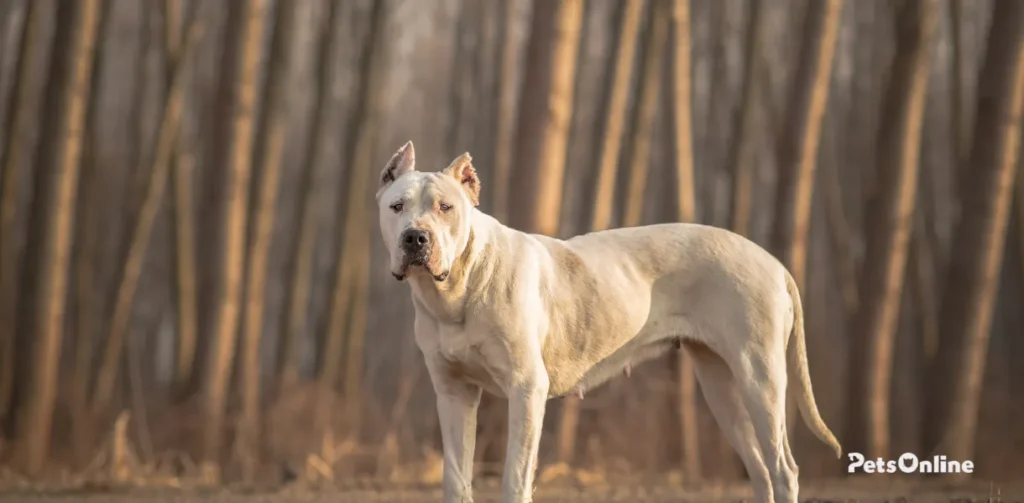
(796, 353)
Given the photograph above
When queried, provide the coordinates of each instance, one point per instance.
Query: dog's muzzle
(415, 243)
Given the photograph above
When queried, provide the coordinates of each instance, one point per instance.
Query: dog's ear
(401, 163)
(462, 170)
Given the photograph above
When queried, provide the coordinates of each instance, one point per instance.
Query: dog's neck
(446, 300)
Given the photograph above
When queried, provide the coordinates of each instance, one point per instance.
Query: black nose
(415, 239)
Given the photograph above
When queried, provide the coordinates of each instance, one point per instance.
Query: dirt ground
(844, 491)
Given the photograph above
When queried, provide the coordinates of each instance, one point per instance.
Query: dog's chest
(466, 357)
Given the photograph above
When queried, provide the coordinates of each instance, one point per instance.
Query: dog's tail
(796, 353)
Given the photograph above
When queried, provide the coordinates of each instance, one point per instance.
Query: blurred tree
(347, 317)
(615, 118)
(544, 113)
(888, 228)
(20, 111)
(183, 161)
(135, 254)
(507, 93)
(313, 202)
(807, 104)
(271, 139)
(52, 226)
(643, 117)
(959, 119)
(741, 156)
(232, 262)
(973, 277)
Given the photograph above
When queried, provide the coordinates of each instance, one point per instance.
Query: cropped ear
(462, 170)
(401, 163)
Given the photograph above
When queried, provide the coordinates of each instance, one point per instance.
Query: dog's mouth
(419, 261)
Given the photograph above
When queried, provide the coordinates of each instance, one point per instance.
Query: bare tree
(972, 279)
(20, 111)
(507, 87)
(889, 226)
(643, 119)
(741, 156)
(544, 114)
(313, 203)
(802, 132)
(183, 162)
(347, 318)
(959, 120)
(185, 266)
(57, 184)
(615, 117)
(274, 120)
(239, 165)
(131, 269)
(86, 241)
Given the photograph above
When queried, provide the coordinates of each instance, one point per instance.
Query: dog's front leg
(526, 401)
(457, 404)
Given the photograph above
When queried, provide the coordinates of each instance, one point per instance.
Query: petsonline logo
(907, 463)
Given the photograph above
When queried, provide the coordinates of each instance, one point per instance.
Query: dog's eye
(445, 207)
(397, 207)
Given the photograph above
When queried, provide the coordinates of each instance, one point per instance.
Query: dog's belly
(659, 335)
(614, 365)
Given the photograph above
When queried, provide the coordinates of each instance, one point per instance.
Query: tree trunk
(271, 145)
(618, 98)
(841, 238)
(923, 286)
(20, 111)
(682, 115)
(183, 162)
(170, 126)
(347, 319)
(888, 229)
(605, 193)
(686, 211)
(545, 113)
(311, 193)
(972, 281)
(185, 266)
(507, 91)
(643, 120)
(239, 165)
(87, 311)
(59, 184)
(959, 122)
(741, 156)
(1019, 205)
(803, 129)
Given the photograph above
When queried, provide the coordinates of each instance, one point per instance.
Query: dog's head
(425, 216)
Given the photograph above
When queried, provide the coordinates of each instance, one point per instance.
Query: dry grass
(300, 467)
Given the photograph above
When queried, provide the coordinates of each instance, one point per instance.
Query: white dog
(531, 317)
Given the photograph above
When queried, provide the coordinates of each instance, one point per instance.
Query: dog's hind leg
(761, 375)
(790, 460)
(726, 404)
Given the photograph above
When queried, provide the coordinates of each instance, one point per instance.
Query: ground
(845, 491)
